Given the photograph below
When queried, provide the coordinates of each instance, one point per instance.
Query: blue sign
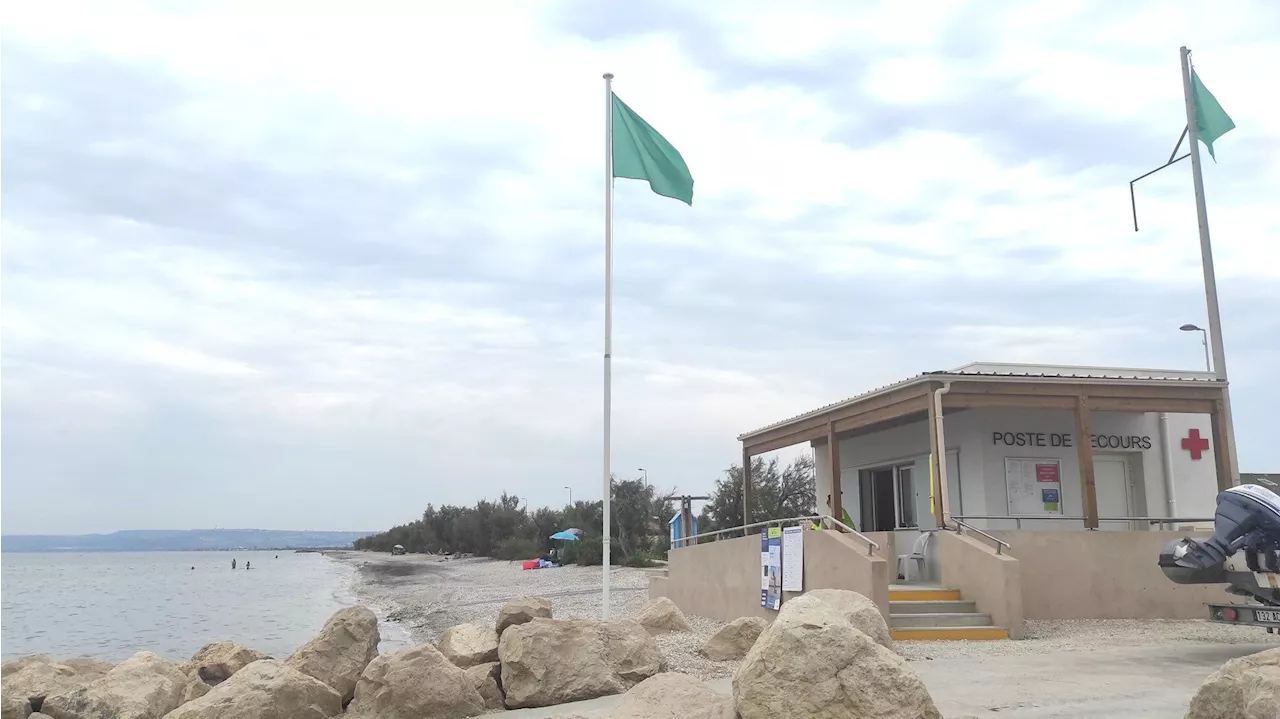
(1049, 495)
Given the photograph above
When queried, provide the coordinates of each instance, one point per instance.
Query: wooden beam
(964, 400)
(1135, 404)
(746, 485)
(1084, 454)
(935, 471)
(913, 405)
(1221, 453)
(816, 427)
(1075, 389)
(833, 453)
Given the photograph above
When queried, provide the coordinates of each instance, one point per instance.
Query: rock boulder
(17, 665)
(194, 689)
(467, 645)
(89, 668)
(1243, 688)
(522, 610)
(342, 650)
(552, 661)
(486, 678)
(143, 687)
(412, 684)
(37, 680)
(734, 639)
(265, 689)
(673, 696)
(811, 662)
(860, 611)
(215, 663)
(13, 706)
(662, 615)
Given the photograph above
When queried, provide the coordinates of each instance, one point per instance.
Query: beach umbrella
(567, 535)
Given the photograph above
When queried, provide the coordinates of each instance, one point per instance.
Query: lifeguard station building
(991, 493)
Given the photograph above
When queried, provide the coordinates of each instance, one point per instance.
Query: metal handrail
(1019, 518)
(743, 528)
(1001, 545)
(872, 545)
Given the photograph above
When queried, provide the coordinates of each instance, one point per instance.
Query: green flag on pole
(640, 153)
(1212, 121)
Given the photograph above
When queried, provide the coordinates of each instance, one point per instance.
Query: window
(887, 498)
(906, 497)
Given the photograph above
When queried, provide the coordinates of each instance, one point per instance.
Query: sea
(109, 605)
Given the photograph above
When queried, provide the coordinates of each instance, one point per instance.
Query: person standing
(233, 562)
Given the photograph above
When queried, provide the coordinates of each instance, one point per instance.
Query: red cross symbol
(1195, 444)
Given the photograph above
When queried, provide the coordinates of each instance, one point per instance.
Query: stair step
(954, 606)
(900, 593)
(951, 619)
(950, 633)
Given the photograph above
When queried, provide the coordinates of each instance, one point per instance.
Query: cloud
(320, 270)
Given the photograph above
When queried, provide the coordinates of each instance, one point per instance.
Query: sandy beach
(426, 594)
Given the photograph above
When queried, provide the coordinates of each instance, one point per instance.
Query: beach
(425, 594)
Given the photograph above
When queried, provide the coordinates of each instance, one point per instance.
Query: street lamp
(646, 475)
(570, 495)
(1204, 340)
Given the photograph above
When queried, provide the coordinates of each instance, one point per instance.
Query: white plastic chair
(916, 556)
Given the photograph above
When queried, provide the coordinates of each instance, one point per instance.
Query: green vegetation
(504, 529)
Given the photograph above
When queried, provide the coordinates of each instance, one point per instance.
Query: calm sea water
(112, 604)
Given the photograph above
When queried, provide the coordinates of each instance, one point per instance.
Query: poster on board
(771, 568)
(793, 559)
(1034, 486)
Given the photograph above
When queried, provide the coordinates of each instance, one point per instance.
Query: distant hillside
(143, 540)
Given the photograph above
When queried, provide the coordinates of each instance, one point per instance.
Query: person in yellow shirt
(848, 522)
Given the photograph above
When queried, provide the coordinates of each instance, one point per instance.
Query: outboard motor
(1247, 521)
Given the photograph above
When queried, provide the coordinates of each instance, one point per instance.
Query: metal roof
(1009, 371)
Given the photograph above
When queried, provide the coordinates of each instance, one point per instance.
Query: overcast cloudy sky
(315, 271)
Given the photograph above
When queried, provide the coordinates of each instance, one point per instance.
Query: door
(1111, 479)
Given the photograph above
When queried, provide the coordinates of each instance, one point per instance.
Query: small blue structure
(676, 529)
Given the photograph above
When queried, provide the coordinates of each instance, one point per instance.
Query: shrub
(640, 559)
(590, 552)
(513, 548)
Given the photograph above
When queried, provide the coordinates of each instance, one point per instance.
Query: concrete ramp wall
(721, 580)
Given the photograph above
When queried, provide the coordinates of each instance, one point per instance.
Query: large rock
(194, 689)
(17, 665)
(412, 684)
(487, 678)
(215, 663)
(860, 611)
(342, 650)
(265, 689)
(1244, 688)
(734, 639)
(811, 662)
(673, 696)
(522, 610)
(469, 644)
(13, 706)
(143, 687)
(37, 680)
(662, 615)
(552, 661)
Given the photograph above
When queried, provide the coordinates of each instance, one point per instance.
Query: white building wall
(978, 458)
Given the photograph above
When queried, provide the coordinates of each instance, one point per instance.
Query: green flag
(1212, 121)
(640, 153)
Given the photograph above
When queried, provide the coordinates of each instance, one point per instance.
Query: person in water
(246, 564)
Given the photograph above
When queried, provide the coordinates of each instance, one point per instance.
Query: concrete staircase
(930, 612)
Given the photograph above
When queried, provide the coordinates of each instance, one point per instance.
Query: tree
(777, 493)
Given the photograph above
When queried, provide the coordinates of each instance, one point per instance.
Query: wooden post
(1221, 453)
(1084, 454)
(833, 453)
(746, 485)
(935, 458)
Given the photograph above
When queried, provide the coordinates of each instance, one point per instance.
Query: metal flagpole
(608, 329)
(1206, 259)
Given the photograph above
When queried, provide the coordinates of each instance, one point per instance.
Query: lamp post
(1204, 340)
(570, 495)
(646, 475)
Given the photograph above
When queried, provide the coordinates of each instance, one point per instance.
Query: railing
(872, 545)
(1001, 545)
(1018, 519)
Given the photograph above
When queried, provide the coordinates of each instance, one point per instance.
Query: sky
(268, 265)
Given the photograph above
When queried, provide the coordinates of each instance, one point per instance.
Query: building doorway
(1114, 486)
(888, 498)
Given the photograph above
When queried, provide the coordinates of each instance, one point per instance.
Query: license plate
(1267, 615)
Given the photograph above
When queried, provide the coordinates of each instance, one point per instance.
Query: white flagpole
(1206, 260)
(608, 329)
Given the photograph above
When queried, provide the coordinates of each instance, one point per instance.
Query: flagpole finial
(608, 76)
